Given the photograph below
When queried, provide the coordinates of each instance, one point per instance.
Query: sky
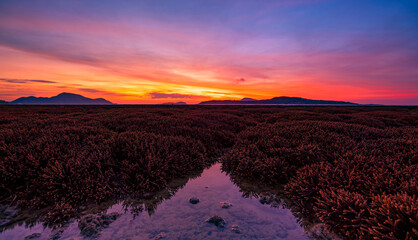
(148, 52)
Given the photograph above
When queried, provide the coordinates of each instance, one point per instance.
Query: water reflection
(170, 215)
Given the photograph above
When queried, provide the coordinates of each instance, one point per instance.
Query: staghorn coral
(393, 217)
(353, 168)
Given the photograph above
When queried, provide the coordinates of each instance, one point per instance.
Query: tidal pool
(175, 217)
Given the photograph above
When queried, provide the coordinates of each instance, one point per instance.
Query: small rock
(267, 198)
(159, 236)
(218, 221)
(33, 236)
(226, 204)
(194, 200)
(235, 229)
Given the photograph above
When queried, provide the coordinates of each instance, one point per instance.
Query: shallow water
(176, 218)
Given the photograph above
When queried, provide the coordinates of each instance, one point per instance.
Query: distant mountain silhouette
(248, 100)
(61, 99)
(3, 102)
(174, 103)
(276, 100)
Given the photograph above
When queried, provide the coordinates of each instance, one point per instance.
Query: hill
(61, 99)
(174, 103)
(276, 100)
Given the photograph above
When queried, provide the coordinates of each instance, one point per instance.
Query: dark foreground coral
(67, 156)
(352, 168)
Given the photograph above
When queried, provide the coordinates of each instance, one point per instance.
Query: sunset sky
(167, 50)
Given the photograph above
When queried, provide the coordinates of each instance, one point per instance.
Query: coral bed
(352, 168)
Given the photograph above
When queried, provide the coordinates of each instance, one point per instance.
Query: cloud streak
(11, 80)
(97, 91)
(158, 95)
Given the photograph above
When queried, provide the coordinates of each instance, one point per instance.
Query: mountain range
(61, 99)
(276, 101)
(75, 99)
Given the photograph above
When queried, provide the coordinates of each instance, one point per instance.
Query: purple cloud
(92, 90)
(11, 80)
